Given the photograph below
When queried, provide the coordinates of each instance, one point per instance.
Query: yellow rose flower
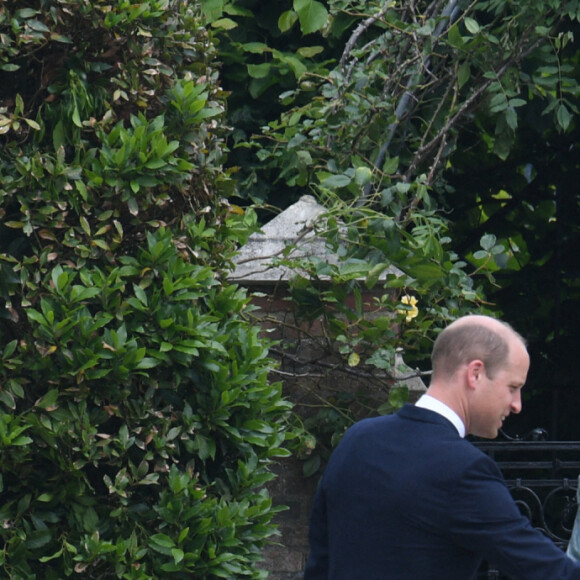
(413, 311)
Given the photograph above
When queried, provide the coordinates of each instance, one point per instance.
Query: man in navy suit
(406, 497)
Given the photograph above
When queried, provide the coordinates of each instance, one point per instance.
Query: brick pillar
(300, 344)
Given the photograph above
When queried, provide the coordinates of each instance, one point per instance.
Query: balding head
(470, 338)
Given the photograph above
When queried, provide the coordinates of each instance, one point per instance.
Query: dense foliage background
(444, 135)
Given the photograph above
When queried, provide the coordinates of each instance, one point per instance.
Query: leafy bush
(137, 422)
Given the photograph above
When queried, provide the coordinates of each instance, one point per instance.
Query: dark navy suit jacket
(404, 497)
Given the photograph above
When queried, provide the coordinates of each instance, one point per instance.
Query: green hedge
(137, 421)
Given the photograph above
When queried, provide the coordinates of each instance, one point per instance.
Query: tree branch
(448, 16)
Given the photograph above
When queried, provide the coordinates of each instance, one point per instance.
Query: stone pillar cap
(297, 226)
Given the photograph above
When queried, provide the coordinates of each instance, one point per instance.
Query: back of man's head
(470, 338)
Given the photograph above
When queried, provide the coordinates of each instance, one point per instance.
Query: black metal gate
(543, 479)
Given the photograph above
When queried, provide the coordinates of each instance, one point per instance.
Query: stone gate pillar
(310, 369)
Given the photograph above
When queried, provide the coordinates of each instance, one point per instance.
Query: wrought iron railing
(542, 476)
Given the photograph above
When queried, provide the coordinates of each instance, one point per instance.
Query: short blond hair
(470, 339)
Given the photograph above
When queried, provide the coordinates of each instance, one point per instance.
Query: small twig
(360, 29)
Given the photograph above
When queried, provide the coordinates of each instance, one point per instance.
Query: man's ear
(475, 372)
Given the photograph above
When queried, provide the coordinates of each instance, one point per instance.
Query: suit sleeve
(485, 517)
(317, 563)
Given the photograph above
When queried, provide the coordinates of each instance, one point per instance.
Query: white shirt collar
(433, 404)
